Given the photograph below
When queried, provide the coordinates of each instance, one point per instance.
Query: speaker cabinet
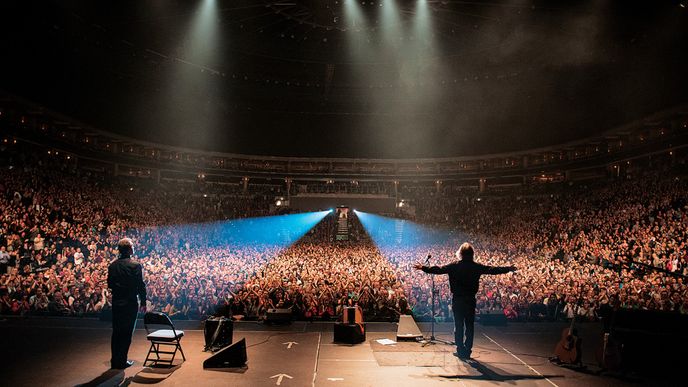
(644, 339)
(278, 316)
(408, 329)
(218, 333)
(230, 357)
(494, 319)
(349, 333)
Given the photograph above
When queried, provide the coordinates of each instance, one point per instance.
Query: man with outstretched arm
(464, 276)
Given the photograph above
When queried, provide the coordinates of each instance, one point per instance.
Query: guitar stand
(432, 340)
(572, 366)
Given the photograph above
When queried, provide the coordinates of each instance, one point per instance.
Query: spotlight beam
(279, 231)
(392, 232)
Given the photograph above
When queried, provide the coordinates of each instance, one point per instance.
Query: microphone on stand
(427, 259)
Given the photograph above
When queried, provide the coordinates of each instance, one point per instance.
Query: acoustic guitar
(568, 349)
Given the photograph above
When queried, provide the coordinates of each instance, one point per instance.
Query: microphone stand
(433, 339)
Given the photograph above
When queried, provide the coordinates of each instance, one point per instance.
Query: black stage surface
(71, 352)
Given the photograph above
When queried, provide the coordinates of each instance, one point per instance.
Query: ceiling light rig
(327, 15)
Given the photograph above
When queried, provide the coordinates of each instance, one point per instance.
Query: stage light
(422, 23)
(353, 14)
(391, 24)
(186, 78)
(358, 39)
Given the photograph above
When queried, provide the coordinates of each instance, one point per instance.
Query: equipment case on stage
(218, 333)
(349, 333)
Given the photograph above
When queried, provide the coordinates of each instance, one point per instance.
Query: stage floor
(71, 352)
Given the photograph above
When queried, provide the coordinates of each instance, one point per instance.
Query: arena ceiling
(348, 78)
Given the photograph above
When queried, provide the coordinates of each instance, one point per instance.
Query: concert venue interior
(288, 173)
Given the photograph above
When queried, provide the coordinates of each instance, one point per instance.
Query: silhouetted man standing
(125, 278)
(464, 276)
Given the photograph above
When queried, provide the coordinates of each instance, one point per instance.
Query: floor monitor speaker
(231, 356)
(498, 319)
(278, 316)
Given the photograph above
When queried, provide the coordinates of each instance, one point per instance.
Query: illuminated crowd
(576, 250)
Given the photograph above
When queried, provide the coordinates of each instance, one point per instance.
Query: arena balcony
(663, 135)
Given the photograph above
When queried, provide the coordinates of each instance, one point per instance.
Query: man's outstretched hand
(418, 266)
(513, 268)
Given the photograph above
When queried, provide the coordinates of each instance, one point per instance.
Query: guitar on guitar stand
(568, 349)
(609, 353)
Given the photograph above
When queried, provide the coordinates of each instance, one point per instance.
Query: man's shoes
(127, 364)
(462, 355)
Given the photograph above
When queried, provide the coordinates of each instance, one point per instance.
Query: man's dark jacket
(125, 278)
(464, 275)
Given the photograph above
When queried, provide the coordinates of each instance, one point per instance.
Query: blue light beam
(272, 230)
(279, 231)
(390, 233)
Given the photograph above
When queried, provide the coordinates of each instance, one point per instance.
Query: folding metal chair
(165, 337)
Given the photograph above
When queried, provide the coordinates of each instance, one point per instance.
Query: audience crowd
(577, 250)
